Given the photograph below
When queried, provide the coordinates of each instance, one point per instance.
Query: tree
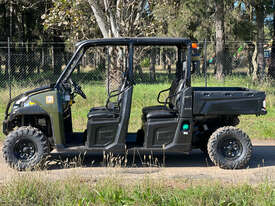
(20, 20)
(260, 15)
(271, 69)
(191, 18)
(120, 18)
(105, 19)
(71, 19)
(261, 9)
(220, 44)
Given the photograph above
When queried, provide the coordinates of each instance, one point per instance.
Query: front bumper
(6, 127)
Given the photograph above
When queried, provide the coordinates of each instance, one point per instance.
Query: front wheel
(229, 148)
(25, 148)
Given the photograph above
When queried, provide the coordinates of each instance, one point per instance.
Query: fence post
(9, 66)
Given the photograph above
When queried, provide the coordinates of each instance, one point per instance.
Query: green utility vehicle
(40, 120)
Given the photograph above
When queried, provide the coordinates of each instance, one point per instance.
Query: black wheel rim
(24, 149)
(230, 148)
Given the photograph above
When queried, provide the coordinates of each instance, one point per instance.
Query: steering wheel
(78, 90)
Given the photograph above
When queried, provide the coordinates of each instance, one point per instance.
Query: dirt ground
(195, 166)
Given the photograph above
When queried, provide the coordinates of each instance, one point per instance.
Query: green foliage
(145, 62)
(34, 191)
(73, 18)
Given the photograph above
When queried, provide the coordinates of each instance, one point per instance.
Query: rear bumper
(263, 111)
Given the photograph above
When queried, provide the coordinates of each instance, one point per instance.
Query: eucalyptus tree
(82, 19)
(258, 11)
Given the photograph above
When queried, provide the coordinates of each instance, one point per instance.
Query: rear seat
(176, 85)
(172, 90)
(166, 112)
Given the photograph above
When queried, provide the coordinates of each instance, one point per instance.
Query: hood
(40, 89)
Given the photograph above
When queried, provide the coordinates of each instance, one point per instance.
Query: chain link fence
(25, 65)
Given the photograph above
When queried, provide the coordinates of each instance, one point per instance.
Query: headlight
(28, 103)
(19, 102)
(24, 101)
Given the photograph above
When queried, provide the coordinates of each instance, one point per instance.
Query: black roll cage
(82, 46)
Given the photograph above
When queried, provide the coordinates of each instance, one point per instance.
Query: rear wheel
(229, 148)
(25, 148)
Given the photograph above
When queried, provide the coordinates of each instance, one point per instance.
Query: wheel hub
(24, 150)
(231, 148)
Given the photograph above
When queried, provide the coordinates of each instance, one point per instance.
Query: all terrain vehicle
(40, 120)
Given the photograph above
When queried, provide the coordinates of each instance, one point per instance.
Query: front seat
(111, 109)
(108, 126)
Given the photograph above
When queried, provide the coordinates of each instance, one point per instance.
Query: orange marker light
(194, 45)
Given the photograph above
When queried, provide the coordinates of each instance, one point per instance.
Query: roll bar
(129, 42)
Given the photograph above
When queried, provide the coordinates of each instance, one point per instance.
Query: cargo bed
(227, 100)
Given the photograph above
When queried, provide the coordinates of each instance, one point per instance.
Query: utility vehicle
(40, 120)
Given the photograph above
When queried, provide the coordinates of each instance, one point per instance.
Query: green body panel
(55, 111)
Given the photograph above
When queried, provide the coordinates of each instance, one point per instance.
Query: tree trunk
(250, 50)
(254, 62)
(22, 49)
(260, 42)
(109, 29)
(228, 61)
(58, 52)
(138, 69)
(153, 65)
(6, 67)
(220, 44)
(164, 59)
(23, 61)
(99, 16)
(271, 69)
(43, 58)
(53, 57)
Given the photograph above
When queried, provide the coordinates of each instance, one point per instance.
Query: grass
(75, 191)
(146, 94)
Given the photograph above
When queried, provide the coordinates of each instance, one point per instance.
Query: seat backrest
(173, 86)
(122, 88)
(177, 94)
(119, 93)
(177, 84)
(125, 111)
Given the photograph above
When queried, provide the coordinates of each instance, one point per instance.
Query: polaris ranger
(40, 120)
